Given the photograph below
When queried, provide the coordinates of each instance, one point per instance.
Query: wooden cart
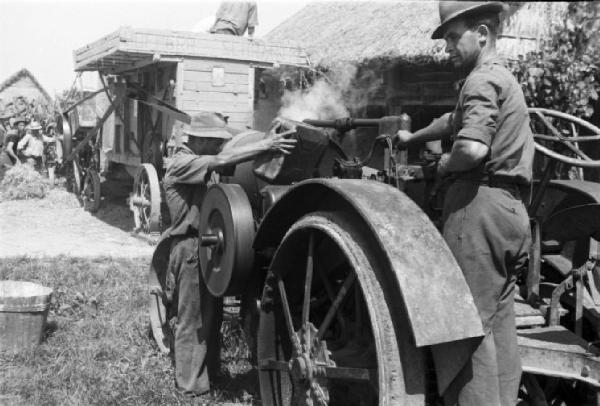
(151, 79)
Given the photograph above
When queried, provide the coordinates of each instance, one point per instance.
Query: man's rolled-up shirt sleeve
(190, 169)
(480, 110)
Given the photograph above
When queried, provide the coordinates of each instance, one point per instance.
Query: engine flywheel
(226, 234)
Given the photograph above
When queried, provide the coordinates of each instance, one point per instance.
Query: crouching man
(195, 313)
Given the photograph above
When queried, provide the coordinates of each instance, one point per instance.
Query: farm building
(21, 93)
(390, 45)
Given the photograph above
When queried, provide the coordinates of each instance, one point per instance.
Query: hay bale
(22, 182)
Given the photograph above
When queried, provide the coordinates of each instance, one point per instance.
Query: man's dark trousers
(199, 316)
(487, 229)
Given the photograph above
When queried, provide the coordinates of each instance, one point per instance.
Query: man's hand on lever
(279, 143)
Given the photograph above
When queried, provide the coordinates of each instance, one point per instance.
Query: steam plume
(348, 90)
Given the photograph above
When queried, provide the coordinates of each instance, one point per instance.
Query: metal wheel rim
(157, 310)
(76, 178)
(280, 387)
(90, 195)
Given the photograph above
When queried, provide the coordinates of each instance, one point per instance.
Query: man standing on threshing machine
(234, 17)
(485, 221)
(201, 150)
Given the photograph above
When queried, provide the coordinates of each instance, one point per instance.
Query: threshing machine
(149, 80)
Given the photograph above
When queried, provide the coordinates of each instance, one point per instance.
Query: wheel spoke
(287, 314)
(308, 282)
(331, 296)
(575, 134)
(273, 365)
(335, 305)
(353, 374)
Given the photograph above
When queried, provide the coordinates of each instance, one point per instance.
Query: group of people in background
(28, 142)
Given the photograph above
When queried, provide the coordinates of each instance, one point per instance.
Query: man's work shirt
(236, 16)
(31, 145)
(185, 186)
(491, 109)
(11, 141)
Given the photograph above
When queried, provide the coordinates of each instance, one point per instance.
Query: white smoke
(322, 101)
(344, 90)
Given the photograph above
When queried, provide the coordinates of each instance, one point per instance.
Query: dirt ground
(57, 225)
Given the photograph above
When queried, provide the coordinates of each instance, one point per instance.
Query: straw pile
(22, 182)
(59, 198)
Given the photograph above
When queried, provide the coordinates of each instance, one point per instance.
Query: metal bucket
(23, 314)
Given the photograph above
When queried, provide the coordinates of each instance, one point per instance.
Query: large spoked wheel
(563, 132)
(329, 324)
(90, 194)
(145, 200)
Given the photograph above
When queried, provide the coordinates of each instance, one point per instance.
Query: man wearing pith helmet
(195, 314)
(485, 221)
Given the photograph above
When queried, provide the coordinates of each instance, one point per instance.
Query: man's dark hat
(206, 125)
(451, 10)
(20, 120)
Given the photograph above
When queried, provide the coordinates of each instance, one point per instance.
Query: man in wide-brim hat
(201, 150)
(8, 153)
(31, 146)
(485, 221)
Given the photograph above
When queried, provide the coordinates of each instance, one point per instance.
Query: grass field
(97, 348)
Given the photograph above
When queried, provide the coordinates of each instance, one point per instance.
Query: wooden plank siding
(232, 99)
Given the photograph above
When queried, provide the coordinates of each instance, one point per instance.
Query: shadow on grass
(49, 329)
(114, 209)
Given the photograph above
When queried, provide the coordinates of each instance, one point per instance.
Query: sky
(41, 35)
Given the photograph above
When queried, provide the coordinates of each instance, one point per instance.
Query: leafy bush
(564, 74)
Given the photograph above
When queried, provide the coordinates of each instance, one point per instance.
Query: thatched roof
(527, 24)
(24, 73)
(333, 32)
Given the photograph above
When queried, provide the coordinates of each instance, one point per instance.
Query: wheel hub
(301, 368)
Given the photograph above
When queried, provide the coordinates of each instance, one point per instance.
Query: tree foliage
(564, 75)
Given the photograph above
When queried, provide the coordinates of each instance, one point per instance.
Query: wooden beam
(171, 112)
(143, 63)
